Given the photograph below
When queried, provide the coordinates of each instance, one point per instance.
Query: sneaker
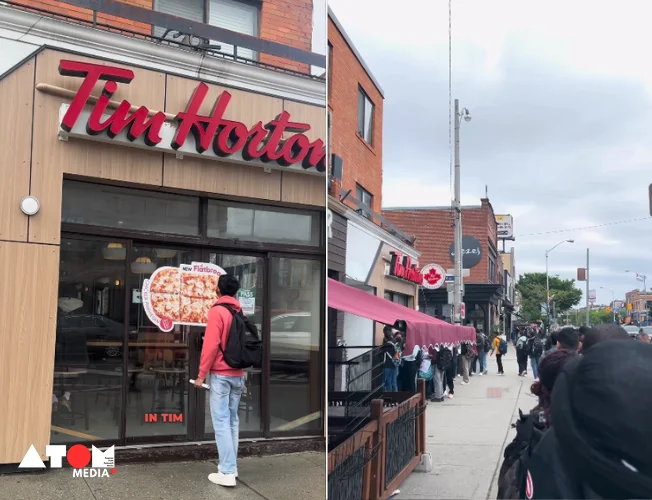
(450, 396)
(464, 383)
(486, 372)
(480, 374)
(222, 479)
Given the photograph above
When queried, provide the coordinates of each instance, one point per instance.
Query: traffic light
(629, 307)
(608, 309)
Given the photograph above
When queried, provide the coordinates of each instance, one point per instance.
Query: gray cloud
(572, 146)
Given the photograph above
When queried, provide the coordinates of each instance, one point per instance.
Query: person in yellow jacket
(496, 350)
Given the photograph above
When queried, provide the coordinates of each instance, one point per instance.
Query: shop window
(86, 396)
(398, 298)
(296, 383)
(365, 116)
(129, 209)
(492, 270)
(269, 225)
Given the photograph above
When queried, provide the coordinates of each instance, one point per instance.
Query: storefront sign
(402, 267)
(505, 225)
(181, 295)
(187, 133)
(471, 252)
(434, 276)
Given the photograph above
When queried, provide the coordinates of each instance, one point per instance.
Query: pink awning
(422, 330)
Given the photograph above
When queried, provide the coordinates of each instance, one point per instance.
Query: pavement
(278, 477)
(467, 435)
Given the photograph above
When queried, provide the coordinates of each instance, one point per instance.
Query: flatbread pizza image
(198, 285)
(166, 280)
(195, 310)
(166, 306)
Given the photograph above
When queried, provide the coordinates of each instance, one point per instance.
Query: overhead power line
(586, 227)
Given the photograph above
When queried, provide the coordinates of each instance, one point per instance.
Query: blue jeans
(535, 367)
(225, 396)
(391, 379)
(482, 359)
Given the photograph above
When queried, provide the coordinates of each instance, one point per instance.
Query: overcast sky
(560, 95)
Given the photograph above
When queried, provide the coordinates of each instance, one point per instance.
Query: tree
(532, 287)
(601, 316)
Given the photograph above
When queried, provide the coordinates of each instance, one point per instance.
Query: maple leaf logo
(432, 277)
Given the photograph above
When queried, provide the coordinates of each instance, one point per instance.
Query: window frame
(363, 98)
(360, 193)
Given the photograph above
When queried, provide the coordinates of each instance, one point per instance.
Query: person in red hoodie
(226, 383)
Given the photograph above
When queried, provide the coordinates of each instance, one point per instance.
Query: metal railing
(184, 33)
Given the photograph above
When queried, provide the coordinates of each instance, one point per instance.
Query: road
(467, 434)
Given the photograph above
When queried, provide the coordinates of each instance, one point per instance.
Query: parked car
(632, 330)
(80, 329)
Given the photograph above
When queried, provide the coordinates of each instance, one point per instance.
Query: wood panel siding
(29, 275)
(15, 140)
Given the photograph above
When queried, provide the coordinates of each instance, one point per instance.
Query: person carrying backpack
(231, 344)
(530, 428)
(467, 355)
(535, 353)
(483, 346)
(500, 349)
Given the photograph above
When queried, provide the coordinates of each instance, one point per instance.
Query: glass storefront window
(398, 298)
(270, 225)
(296, 372)
(133, 209)
(87, 391)
(249, 271)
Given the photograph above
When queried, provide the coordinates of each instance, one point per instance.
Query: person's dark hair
(553, 338)
(228, 285)
(600, 333)
(388, 332)
(568, 338)
(549, 368)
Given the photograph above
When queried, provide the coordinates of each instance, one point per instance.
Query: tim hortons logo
(224, 137)
(402, 267)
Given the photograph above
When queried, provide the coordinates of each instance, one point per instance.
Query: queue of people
(589, 434)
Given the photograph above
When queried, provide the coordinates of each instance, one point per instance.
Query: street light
(548, 279)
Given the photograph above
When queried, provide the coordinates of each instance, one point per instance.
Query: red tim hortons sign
(401, 267)
(189, 133)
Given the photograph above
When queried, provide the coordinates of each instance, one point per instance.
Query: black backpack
(444, 358)
(537, 348)
(244, 348)
(512, 478)
(528, 346)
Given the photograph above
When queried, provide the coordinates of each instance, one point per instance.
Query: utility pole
(588, 312)
(458, 290)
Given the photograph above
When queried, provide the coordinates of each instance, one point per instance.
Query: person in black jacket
(599, 445)
(390, 368)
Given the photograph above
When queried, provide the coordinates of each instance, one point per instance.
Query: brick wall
(284, 21)
(363, 164)
(288, 22)
(433, 229)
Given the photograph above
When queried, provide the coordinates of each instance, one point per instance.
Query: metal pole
(588, 313)
(457, 293)
(647, 320)
(547, 291)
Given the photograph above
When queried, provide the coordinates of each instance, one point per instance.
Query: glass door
(250, 271)
(160, 403)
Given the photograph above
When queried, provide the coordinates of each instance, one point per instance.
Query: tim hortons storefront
(126, 192)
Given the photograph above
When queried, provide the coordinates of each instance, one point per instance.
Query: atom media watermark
(78, 456)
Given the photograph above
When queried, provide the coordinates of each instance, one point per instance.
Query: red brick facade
(284, 21)
(363, 163)
(433, 228)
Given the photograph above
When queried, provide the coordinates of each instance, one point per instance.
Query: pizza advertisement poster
(181, 295)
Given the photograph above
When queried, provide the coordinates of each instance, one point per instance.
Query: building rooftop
(346, 37)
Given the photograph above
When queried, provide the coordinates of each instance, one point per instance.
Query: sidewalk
(466, 435)
(279, 477)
